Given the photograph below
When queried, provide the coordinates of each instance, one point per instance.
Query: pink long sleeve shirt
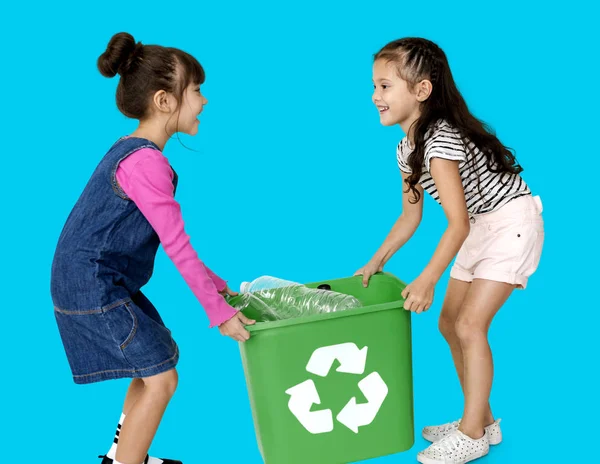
(147, 179)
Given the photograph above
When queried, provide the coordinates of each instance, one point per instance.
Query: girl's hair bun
(118, 56)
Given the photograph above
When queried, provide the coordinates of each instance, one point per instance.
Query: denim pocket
(122, 324)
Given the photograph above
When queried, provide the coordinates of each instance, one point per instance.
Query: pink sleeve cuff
(221, 314)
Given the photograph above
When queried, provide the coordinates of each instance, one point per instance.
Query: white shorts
(504, 245)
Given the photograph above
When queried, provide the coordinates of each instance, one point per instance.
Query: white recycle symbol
(353, 415)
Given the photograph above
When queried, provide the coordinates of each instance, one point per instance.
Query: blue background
(294, 176)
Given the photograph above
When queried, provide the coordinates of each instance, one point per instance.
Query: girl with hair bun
(106, 250)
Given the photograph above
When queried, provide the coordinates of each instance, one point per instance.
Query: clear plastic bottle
(282, 299)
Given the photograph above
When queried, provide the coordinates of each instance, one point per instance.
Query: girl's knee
(469, 329)
(446, 326)
(165, 383)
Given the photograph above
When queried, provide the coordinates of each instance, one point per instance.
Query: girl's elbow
(412, 220)
(461, 227)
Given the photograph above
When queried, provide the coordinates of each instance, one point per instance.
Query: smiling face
(392, 96)
(192, 105)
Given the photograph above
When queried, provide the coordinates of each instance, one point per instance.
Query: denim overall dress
(105, 255)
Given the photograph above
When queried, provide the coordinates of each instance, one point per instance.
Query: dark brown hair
(146, 69)
(417, 59)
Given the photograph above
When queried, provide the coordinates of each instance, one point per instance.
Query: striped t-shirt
(494, 189)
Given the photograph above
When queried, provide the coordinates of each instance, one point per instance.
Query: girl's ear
(424, 89)
(162, 101)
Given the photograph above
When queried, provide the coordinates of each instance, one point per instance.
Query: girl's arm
(452, 197)
(403, 229)
(147, 178)
(219, 283)
(401, 232)
(445, 174)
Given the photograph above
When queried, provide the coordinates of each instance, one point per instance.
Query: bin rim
(396, 304)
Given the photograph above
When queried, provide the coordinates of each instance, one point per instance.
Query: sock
(113, 449)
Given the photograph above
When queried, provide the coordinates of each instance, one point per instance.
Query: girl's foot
(148, 460)
(455, 448)
(434, 433)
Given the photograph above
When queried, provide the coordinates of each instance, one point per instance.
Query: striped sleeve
(402, 164)
(445, 143)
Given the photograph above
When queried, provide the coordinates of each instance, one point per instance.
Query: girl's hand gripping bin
(334, 388)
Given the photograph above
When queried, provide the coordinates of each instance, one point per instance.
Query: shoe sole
(432, 439)
(426, 460)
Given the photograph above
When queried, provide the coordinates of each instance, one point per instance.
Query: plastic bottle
(282, 299)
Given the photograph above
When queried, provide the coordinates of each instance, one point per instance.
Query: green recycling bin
(333, 388)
